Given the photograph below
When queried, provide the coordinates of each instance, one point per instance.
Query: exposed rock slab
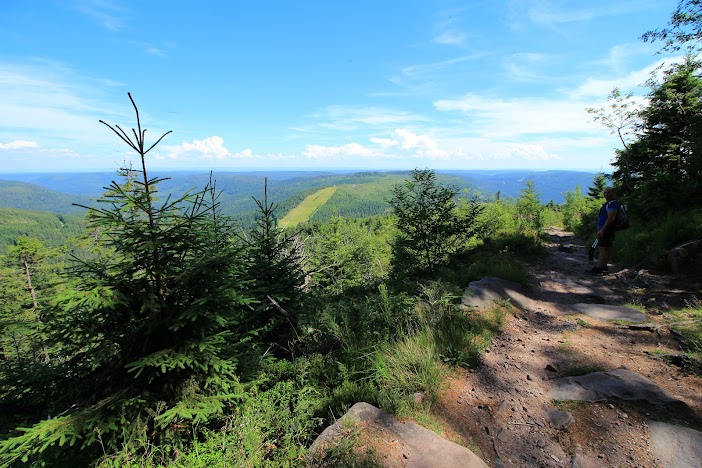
(483, 293)
(676, 446)
(683, 256)
(409, 444)
(610, 312)
(619, 383)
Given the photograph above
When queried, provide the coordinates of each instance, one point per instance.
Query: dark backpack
(622, 220)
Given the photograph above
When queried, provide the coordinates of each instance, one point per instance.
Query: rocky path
(574, 378)
(507, 406)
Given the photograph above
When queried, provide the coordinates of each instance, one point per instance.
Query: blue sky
(319, 84)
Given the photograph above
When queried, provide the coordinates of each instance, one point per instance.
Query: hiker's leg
(603, 258)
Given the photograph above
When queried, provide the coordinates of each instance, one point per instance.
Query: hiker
(605, 229)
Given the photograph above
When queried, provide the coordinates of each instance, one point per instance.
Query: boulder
(684, 256)
(404, 444)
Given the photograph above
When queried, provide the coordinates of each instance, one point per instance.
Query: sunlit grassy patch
(302, 212)
(688, 322)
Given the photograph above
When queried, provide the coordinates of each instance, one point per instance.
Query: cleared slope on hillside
(302, 212)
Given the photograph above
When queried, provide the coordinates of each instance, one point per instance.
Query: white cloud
(450, 38)
(421, 145)
(385, 142)
(209, 148)
(600, 87)
(502, 118)
(18, 144)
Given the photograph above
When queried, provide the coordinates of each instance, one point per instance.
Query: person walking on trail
(605, 229)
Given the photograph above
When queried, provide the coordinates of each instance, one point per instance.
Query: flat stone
(560, 420)
(582, 461)
(619, 383)
(502, 408)
(572, 286)
(676, 446)
(407, 444)
(610, 312)
(482, 294)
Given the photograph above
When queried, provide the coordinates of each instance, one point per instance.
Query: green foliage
(646, 244)
(52, 229)
(688, 322)
(346, 253)
(496, 217)
(29, 276)
(598, 185)
(580, 212)
(348, 450)
(409, 365)
(621, 117)
(430, 228)
(529, 213)
(150, 331)
(276, 271)
(685, 27)
(662, 169)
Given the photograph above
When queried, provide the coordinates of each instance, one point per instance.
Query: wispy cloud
(336, 119)
(450, 38)
(530, 67)
(109, 14)
(49, 103)
(155, 51)
(512, 118)
(632, 81)
(426, 69)
(18, 144)
(556, 14)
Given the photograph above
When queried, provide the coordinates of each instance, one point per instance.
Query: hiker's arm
(611, 215)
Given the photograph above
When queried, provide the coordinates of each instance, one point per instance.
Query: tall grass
(688, 322)
(645, 242)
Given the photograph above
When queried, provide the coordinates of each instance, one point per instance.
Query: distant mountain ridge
(363, 194)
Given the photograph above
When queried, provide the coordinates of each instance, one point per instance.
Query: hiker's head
(609, 193)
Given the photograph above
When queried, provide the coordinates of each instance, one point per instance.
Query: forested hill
(27, 196)
(52, 229)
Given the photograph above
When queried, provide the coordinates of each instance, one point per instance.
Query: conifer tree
(529, 210)
(276, 271)
(152, 330)
(430, 228)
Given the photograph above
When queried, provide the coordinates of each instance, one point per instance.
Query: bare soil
(500, 407)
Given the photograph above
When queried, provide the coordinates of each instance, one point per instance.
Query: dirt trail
(502, 406)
